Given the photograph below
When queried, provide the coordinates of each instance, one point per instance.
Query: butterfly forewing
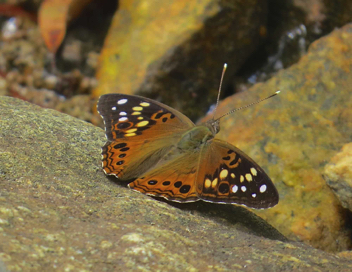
(140, 131)
(227, 175)
(128, 116)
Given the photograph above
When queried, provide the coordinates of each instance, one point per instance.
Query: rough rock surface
(338, 175)
(295, 134)
(59, 212)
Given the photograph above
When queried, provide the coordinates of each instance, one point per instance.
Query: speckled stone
(58, 211)
(295, 134)
(338, 175)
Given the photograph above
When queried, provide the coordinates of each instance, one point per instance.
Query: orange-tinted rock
(174, 51)
(295, 134)
(338, 175)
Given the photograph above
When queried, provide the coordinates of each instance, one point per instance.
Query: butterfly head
(213, 125)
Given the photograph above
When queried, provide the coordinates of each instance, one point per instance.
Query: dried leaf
(53, 18)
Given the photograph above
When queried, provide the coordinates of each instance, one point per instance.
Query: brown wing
(173, 178)
(140, 131)
(227, 175)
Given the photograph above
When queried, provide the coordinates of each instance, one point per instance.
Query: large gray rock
(58, 211)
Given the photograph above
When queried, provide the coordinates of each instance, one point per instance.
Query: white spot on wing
(254, 195)
(262, 188)
(243, 188)
(121, 119)
(113, 108)
(235, 189)
(123, 113)
(122, 101)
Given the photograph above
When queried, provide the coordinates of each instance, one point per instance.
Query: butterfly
(164, 154)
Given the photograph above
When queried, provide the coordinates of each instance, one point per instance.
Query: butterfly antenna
(251, 104)
(222, 77)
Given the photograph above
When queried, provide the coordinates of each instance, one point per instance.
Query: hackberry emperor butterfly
(165, 154)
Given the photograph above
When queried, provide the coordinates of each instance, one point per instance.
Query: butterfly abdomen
(194, 138)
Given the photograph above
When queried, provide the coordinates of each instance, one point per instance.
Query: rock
(50, 81)
(3, 86)
(43, 97)
(92, 60)
(338, 175)
(58, 211)
(178, 58)
(72, 51)
(293, 135)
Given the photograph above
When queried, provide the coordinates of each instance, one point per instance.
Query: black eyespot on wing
(178, 184)
(124, 125)
(224, 188)
(152, 182)
(121, 145)
(185, 189)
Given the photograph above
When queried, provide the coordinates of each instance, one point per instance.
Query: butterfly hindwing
(139, 132)
(173, 178)
(228, 175)
(129, 159)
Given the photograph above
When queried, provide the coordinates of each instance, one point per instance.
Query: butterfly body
(194, 138)
(165, 154)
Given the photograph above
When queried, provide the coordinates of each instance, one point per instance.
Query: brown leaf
(53, 18)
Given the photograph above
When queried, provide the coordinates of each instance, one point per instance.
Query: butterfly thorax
(194, 138)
